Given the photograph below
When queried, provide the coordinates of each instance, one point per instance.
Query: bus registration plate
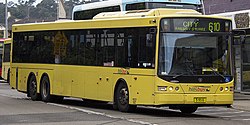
(200, 99)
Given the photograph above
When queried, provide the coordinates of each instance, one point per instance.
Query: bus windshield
(194, 46)
(193, 54)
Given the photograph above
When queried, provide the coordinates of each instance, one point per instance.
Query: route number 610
(214, 26)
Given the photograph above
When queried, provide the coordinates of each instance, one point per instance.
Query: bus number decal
(214, 26)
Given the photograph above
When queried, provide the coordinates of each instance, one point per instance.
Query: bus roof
(120, 19)
(108, 3)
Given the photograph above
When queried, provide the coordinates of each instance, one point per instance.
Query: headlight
(171, 88)
(226, 89)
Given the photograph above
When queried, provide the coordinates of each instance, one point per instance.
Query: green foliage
(26, 11)
(2, 13)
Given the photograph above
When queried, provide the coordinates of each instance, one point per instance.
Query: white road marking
(102, 114)
(242, 119)
(218, 113)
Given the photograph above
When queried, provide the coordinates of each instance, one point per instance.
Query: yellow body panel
(5, 69)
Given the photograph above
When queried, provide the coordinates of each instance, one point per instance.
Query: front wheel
(188, 109)
(122, 98)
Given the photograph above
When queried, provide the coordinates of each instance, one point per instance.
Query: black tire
(122, 98)
(45, 89)
(45, 92)
(188, 109)
(32, 89)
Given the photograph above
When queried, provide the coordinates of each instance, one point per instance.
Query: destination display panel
(195, 25)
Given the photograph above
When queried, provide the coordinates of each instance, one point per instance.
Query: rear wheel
(122, 98)
(188, 109)
(45, 89)
(32, 89)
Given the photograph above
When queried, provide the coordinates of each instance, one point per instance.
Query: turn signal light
(231, 88)
(177, 88)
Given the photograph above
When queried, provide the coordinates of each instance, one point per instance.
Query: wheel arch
(118, 82)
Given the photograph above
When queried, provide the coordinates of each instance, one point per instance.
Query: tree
(22, 9)
(69, 6)
(2, 13)
(46, 10)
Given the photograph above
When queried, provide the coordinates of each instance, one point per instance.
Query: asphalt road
(17, 109)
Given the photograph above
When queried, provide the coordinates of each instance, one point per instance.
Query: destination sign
(195, 25)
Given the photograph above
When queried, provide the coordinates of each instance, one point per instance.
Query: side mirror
(239, 37)
(242, 39)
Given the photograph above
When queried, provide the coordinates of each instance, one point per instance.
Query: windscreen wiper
(216, 73)
(178, 75)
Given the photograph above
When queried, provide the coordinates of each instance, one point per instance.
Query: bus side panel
(66, 79)
(57, 81)
(23, 76)
(77, 83)
(142, 90)
(91, 85)
(13, 77)
(106, 84)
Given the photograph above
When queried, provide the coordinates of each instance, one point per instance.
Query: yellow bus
(160, 57)
(6, 60)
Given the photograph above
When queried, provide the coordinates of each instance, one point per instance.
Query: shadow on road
(142, 110)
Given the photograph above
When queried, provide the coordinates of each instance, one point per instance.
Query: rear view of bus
(1, 55)
(6, 60)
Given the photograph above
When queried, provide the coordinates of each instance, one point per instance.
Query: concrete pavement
(241, 101)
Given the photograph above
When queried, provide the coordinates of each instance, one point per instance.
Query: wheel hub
(123, 98)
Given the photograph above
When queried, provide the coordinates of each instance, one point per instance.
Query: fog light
(171, 88)
(177, 88)
(162, 88)
(221, 89)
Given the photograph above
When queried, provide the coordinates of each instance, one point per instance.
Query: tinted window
(126, 47)
(89, 14)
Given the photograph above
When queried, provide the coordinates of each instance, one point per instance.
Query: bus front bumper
(197, 99)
